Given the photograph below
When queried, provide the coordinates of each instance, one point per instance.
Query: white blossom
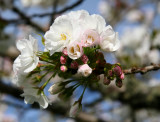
(136, 42)
(132, 37)
(65, 30)
(28, 59)
(156, 41)
(90, 38)
(74, 50)
(109, 40)
(153, 82)
(105, 9)
(80, 27)
(25, 63)
(31, 95)
(30, 92)
(59, 35)
(19, 79)
(134, 15)
(154, 56)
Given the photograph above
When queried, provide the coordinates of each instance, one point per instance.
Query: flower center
(78, 48)
(90, 39)
(72, 50)
(63, 37)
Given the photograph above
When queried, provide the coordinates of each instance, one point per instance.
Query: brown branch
(56, 107)
(142, 70)
(27, 19)
(59, 12)
(55, 3)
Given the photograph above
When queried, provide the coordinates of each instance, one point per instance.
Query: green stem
(45, 74)
(76, 86)
(46, 61)
(44, 85)
(68, 81)
(81, 97)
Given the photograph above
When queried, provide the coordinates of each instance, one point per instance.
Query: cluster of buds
(82, 67)
(115, 72)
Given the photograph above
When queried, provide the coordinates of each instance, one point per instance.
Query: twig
(58, 12)
(54, 11)
(27, 19)
(142, 70)
(56, 107)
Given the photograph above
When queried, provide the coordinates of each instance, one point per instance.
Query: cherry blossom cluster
(74, 47)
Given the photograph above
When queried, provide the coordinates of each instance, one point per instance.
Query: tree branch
(55, 3)
(59, 12)
(142, 70)
(56, 107)
(27, 19)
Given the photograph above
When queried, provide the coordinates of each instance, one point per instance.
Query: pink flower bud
(74, 65)
(119, 83)
(63, 60)
(65, 51)
(63, 68)
(117, 70)
(106, 81)
(84, 59)
(122, 76)
(110, 73)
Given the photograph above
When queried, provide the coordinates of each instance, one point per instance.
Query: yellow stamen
(63, 37)
(72, 50)
(90, 37)
(78, 48)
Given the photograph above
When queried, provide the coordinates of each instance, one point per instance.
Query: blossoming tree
(71, 55)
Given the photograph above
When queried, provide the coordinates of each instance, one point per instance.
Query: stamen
(63, 37)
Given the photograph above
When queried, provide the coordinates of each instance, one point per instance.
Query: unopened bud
(110, 73)
(98, 61)
(117, 70)
(85, 70)
(122, 76)
(63, 60)
(65, 51)
(119, 83)
(63, 68)
(74, 65)
(84, 59)
(106, 81)
(100, 55)
(55, 88)
(75, 109)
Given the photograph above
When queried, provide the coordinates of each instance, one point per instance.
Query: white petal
(100, 22)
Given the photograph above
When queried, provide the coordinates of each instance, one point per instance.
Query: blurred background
(138, 25)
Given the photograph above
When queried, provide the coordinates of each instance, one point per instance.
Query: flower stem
(81, 97)
(44, 85)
